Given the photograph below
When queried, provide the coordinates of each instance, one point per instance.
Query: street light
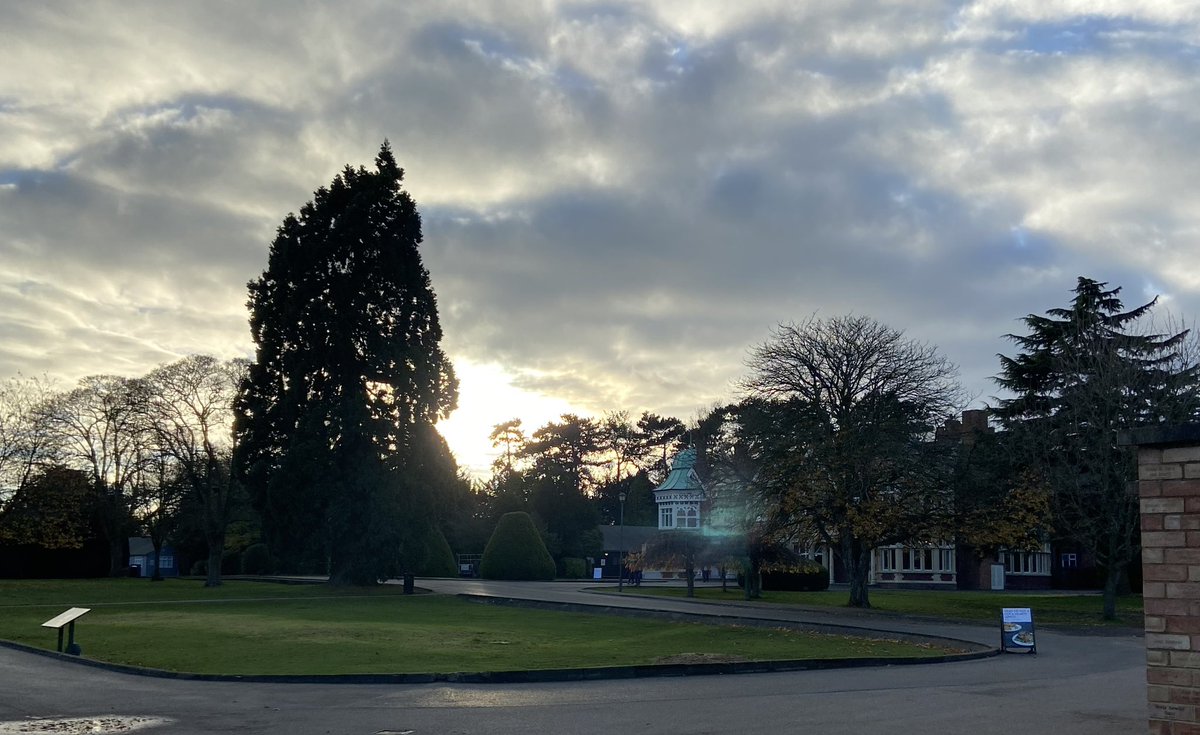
(621, 545)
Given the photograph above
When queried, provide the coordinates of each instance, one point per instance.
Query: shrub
(200, 568)
(516, 551)
(810, 577)
(439, 559)
(575, 568)
(804, 576)
(256, 559)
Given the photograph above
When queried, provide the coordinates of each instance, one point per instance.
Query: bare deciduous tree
(25, 444)
(849, 405)
(100, 428)
(190, 411)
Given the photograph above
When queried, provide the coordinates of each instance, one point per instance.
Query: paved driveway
(1089, 685)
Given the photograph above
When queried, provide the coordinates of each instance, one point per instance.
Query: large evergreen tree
(348, 375)
(1085, 373)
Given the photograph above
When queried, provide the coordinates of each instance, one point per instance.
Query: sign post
(67, 620)
(1016, 630)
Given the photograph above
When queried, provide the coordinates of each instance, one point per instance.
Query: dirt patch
(701, 658)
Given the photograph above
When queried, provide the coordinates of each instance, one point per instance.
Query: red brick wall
(1169, 488)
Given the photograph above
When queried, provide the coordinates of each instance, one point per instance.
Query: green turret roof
(683, 473)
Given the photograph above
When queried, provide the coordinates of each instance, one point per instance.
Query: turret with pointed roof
(679, 496)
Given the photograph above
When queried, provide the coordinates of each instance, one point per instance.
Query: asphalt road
(1090, 685)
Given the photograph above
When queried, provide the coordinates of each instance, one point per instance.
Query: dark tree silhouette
(348, 374)
(1083, 374)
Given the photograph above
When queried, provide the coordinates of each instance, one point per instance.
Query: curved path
(1077, 684)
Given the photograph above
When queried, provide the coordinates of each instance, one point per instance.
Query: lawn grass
(970, 606)
(261, 628)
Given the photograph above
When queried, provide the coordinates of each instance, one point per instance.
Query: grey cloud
(618, 199)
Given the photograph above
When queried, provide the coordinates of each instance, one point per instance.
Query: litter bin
(135, 570)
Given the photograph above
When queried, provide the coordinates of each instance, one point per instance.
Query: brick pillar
(1169, 489)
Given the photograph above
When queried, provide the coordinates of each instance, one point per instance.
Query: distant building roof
(683, 474)
(140, 546)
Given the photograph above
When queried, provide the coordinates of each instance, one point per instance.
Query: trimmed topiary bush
(574, 567)
(516, 551)
(439, 559)
(256, 559)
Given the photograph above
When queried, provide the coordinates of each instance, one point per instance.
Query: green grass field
(262, 628)
(983, 607)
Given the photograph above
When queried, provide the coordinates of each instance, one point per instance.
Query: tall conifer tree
(348, 378)
(1083, 374)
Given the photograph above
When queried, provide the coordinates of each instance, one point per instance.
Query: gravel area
(80, 725)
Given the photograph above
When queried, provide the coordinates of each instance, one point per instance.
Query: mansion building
(683, 505)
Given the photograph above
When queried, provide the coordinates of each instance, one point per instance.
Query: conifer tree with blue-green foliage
(348, 380)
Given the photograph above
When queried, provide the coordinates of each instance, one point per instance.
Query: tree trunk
(858, 568)
(114, 521)
(116, 556)
(1124, 585)
(409, 584)
(216, 510)
(690, 571)
(724, 582)
(157, 576)
(752, 580)
(1112, 577)
(214, 565)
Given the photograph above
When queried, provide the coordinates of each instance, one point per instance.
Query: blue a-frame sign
(1016, 630)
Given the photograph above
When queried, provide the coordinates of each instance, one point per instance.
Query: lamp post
(621, 544)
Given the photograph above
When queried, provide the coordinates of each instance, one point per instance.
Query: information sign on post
(1016, 630)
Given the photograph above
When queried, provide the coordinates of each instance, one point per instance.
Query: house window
(166, 562)
(1070, 561)
(948, 560)
(689, 518)
(1028, 563)
(887, 560)
(665, 518)
(901, 559)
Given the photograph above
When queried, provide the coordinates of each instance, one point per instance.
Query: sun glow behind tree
(488, 395)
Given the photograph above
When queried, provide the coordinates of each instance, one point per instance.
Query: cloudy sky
(618, 198)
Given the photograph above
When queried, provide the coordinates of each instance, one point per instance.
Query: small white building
(680, 496)
(680, 499)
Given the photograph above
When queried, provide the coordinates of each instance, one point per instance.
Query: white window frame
(688, 517)
(1027, 563)
(899, 559)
